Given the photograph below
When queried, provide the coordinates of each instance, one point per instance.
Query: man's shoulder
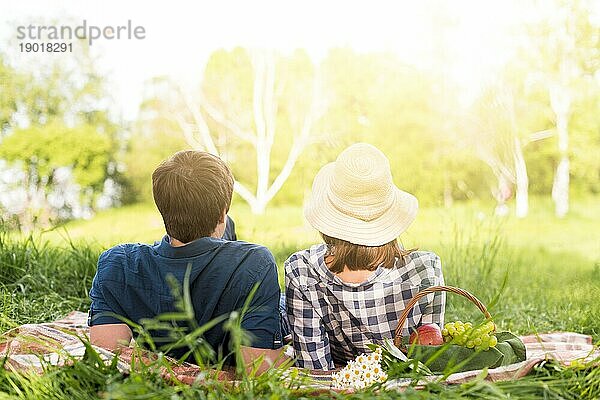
(248, 252)
(114, 261)
(254, 258)
(123, 251)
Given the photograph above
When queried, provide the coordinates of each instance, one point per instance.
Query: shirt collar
(317, 254)
(191, 249)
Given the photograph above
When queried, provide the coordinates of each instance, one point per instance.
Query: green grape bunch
(480, 338)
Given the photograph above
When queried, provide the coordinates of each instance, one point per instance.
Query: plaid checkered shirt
(333, 321)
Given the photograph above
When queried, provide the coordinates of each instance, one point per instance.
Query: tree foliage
(55, 161)
(435, 145)
(58, 142)
(44, 149)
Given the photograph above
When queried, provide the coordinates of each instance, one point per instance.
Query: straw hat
(355, 199)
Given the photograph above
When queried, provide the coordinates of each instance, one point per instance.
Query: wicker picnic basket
(425, 292)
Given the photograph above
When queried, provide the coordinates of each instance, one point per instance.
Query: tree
(59, 137)
(253, 103)
(503, 129)
(563, 52)
(54, 155)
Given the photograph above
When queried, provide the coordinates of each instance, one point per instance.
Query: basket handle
(425, 292)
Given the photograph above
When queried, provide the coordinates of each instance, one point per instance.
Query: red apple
(427, 335)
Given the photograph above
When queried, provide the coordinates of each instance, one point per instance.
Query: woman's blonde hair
(341, 253)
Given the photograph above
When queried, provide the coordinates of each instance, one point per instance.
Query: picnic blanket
(31, 346)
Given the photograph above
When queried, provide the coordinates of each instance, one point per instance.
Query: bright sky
(181, 34)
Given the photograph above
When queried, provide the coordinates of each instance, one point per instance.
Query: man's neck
(177, 243)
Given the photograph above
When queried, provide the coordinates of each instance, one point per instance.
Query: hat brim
(322, 214)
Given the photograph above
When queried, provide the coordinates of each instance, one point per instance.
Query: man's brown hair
(341, 253)
(192, 189)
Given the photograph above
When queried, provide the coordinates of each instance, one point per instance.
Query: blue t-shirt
(131, 281)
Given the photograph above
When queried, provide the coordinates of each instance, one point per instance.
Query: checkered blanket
(31, 346)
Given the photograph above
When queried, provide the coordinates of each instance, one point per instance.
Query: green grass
(552, 265)
(551, 268)
(284, 228)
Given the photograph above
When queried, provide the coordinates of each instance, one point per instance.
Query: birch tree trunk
(560, 101)
(521, 182)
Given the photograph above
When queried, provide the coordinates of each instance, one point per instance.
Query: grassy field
(552, 265)
(284, 230)
(546, 272)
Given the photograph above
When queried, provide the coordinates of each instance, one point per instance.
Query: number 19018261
(46, 47)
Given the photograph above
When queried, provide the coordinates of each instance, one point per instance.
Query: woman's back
(333, 321)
